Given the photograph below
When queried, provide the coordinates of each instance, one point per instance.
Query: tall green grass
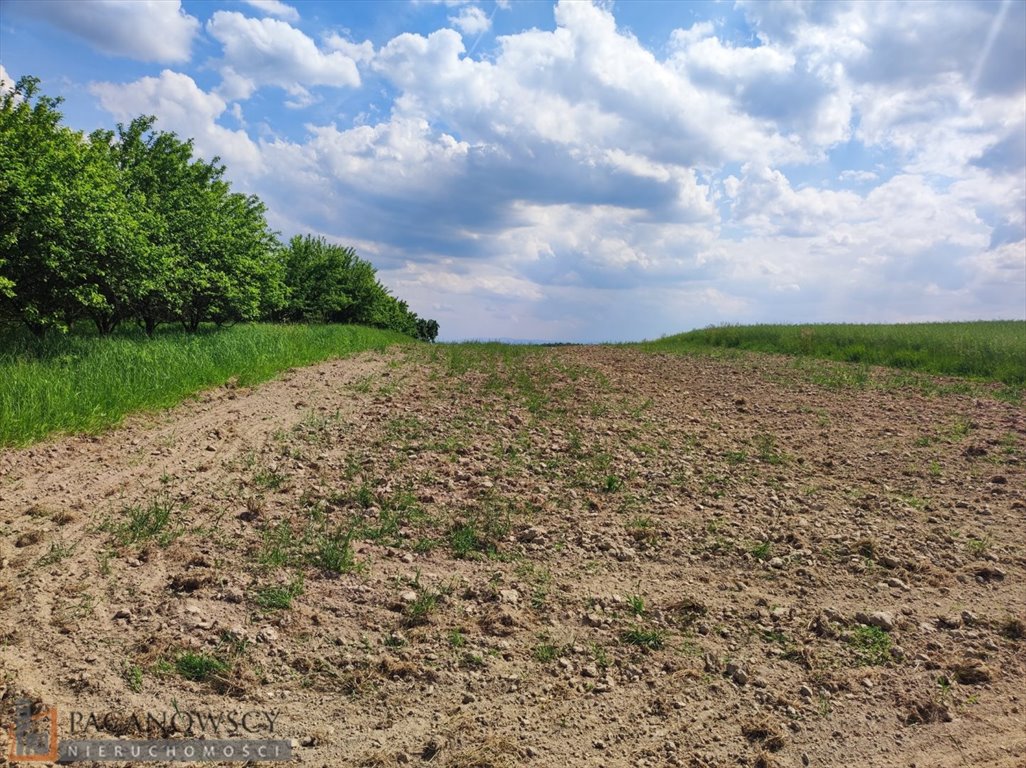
(81, 383)
(987, 350)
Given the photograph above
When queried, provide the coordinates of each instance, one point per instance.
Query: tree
(62, 217)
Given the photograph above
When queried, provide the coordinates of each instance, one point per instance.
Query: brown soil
(561, 557)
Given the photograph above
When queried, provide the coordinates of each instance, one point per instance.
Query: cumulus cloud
(146, 30)
(471, 20)
(183, 107)
(642, 192)
(275, 8)
(259, 52)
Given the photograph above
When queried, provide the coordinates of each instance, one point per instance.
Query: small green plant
(767, 447)
(269, 479)
(736, 457)
(157, 521)
(333, 552)
(871, 644)
(546, 653)
(133, 676)
(58, 551)
(419, 611)
(652, 639)
(279, 597)
(762, 550)
(200, 667)
(612, 484)
(457, 639)
(977, 547)
(636, 604)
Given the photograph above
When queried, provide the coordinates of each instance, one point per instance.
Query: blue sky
(607, 171)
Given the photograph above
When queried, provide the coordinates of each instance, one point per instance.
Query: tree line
(127, 226)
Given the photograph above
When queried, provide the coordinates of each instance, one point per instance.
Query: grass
(652, 639)
(200, 666)
(83, 383)
(157, 521)
(278, 597)
(987, 350)
(871, 644)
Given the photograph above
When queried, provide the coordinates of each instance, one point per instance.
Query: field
(483, 555)
(82, 383)
(991, 350)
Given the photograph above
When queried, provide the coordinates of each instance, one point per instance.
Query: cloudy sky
(594, 172)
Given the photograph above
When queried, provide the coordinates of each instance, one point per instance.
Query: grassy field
(81, 383)
(986, 350)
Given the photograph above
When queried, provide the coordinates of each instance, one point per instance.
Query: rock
(590, 670)
(530, 751)
(510, 596)
(805, 692)
(880, 619)
(737, 673)
(779, 613)
(971, 673)
(897, 583)
(125, 614)
(776, 562)
(969, 618)
(408, 597)
(989, 573)
(999, 480)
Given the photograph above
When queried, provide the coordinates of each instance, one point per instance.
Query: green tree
(68, 235)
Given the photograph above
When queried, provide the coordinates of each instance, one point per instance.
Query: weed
(612, 484)
(133, 677)
(652, 639)
(419, 611)
(279, 597)
(766, 445)
(871, 644)
(158, 521)
(736, 457)
(200, 667)
(457, 639)
(58, 551)
(762, 551)
(546, 652)
(977, 547)
(636, 604)
(333, 552)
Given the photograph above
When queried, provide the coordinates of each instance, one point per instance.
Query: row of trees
(127, 225)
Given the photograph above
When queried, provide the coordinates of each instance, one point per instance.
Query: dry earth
(556, 557)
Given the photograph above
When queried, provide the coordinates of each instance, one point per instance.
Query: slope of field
(82, 383)
(492, 556)
(994, 350)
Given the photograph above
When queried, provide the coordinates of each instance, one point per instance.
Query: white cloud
(183, 107)
(857, 176)
(146, 30)
(275, 8)
(259, 52)
(637, 194)
(471, 20)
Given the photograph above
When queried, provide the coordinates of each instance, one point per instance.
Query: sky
(594, 172)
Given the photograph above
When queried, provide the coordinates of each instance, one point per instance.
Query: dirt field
(558, 557)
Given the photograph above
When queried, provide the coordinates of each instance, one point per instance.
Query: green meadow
(79, 382)
(985, 350)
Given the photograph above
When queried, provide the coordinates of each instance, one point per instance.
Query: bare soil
(555, 557)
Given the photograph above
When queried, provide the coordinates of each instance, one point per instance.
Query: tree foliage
(129, 225)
